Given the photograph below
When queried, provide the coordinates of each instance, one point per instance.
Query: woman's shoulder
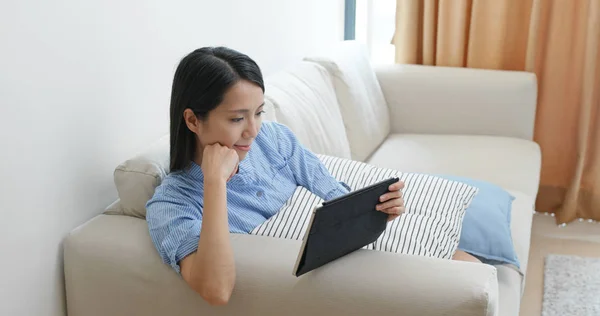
(275, 133)
(178, 186)
(272, 130)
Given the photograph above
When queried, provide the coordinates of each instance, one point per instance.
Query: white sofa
(465, 122)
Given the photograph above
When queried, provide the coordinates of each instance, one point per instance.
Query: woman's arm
(307, 168)
(312, 174)
(210, 271)
(175, 224)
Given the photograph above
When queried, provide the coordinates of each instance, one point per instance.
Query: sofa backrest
(362, 104)
(304, 99)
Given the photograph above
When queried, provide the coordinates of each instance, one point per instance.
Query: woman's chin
(242, 154)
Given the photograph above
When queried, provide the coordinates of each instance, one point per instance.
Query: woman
(229, 171)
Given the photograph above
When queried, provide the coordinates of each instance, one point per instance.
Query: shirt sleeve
(174, 225)
(307, 168)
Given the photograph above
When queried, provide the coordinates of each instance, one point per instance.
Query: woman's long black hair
(200, 83)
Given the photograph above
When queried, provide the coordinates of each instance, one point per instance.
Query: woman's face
(234, 123)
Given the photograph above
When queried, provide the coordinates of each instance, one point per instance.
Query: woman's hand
(392, 202)
(219, 162)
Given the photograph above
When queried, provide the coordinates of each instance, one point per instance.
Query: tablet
(340, 226)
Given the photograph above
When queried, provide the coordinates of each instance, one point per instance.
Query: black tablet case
(344, 225)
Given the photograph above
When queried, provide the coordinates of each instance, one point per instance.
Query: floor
(579, 238)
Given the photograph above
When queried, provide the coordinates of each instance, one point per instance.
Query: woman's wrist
(214, 182)
(215, 196)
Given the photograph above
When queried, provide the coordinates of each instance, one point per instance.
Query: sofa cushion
(361, 100)
(304, 100)
(510, 163)
(137, 178)
(430, 227)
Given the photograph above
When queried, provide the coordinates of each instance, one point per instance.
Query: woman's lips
(243, 148)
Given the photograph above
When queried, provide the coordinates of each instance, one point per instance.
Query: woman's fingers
(390, 203)
(395, 192)
(391, 195)
(397, 186)
(392, 217)
(395, 210)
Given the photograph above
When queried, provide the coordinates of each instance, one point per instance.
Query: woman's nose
(251, 129)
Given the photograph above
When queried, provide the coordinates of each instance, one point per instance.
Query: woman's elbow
(214, 295)
(214, 290)
(217, 297)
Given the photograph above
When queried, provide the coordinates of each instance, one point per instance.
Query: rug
(571, 286)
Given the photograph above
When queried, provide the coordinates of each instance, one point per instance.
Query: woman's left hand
(392, 202)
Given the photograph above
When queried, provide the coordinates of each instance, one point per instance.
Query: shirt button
(259, 193)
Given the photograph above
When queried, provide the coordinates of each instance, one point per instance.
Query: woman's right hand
(219, 162)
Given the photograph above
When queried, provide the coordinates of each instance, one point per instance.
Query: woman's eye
(260, 113)
(237, 119)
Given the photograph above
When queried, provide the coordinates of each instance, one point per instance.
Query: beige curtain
(559, 40)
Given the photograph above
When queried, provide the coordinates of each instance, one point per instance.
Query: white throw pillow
(430, 226)
(362, 104)
(304, 99)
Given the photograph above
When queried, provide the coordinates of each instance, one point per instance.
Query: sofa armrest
(365, 282)
(449, 100)
(112, 268)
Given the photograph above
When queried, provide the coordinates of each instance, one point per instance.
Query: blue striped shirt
(273, 168)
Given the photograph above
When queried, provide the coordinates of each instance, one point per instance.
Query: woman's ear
(192, 121)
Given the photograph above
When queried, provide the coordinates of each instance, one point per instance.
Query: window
(374, 23)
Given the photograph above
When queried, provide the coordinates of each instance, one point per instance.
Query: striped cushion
(431, 225)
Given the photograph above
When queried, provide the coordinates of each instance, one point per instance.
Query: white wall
(85, 85)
